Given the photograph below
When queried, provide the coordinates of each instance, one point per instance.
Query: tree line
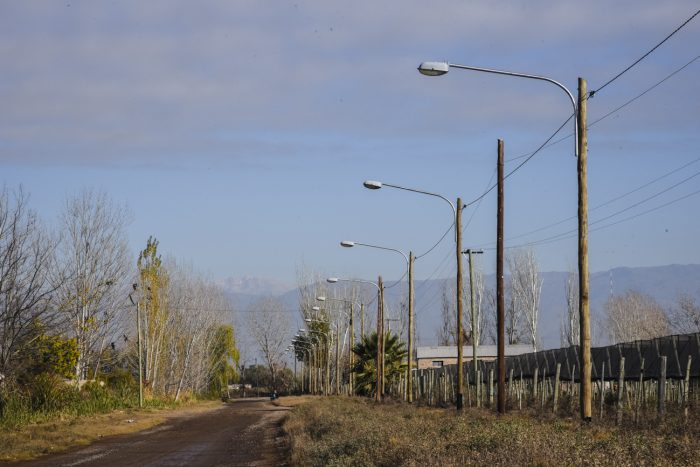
(69, 293)
(631, 316)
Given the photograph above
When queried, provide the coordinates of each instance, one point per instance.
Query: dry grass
(35, 440)
(293, 401)
(358, 432)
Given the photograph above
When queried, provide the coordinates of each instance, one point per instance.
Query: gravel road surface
(241, 433)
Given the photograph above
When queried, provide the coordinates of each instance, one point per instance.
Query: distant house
(438, 356)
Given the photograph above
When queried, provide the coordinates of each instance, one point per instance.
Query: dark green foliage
(365, 366)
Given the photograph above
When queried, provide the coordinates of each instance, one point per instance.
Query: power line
(567, 235)
(607, 203)
(641, 94)
(438, 242)
(655, 85)
(493, 175)
(592, 93)
(530, 156)
(452, 225)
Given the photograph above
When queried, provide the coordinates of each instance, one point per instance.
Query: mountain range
(663, 283)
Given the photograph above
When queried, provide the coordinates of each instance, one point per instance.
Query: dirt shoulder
(239, 433)
(59, 435)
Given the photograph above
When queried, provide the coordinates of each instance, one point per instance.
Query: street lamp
(409, 270)
(457, 215)
(326, 342)
(581, 152)
(380, 329)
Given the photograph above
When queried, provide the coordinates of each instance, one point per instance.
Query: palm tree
(366, 358)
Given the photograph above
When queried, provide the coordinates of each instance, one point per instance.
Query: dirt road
(241, 433)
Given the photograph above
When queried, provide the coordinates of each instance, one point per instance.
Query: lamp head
(347, 244)
(308, 320)
(332, 280)
(372, 184)
(434, 68)
(315, 308)
(302, 330)
(321, 298)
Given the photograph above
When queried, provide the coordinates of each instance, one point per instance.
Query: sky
(239, 133)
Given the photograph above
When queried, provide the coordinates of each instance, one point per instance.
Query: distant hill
(663, 283)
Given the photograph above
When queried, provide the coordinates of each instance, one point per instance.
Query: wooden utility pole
(475, 344)
(500, 297)
(382, 340)
(584, 310)
(409, 375)
(362, 320)
(380, 323)
(351, 355)
(337, 358)
(460, 334)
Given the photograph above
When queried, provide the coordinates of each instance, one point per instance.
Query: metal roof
(481, 351)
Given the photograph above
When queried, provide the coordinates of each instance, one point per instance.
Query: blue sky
(239, 133)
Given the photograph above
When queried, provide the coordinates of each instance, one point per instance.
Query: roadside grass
(358, 432)
(61, 431)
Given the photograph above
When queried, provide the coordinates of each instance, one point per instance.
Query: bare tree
(489, 331)
(93, 252)
(478, 302)
(635, 316)
(196, 310)
(269, 325)
(685, 315)
(26, 286)
(526, 287)
(446, 333)
(570, 329)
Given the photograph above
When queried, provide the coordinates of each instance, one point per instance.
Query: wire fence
(629, 378)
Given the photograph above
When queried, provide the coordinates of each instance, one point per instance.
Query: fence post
(686, 387)
(510, 383)
(661, 396)
(534, 383)
(602, 390)
(620, 390)
(556, 388)
(491, 386)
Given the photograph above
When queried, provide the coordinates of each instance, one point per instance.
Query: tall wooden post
(351, 355)
(409, 376)
(328, 361)
(380, 341)
(460, 333)
(138, 343)
(584, 310)
(383, 340)
(500, 298)
(362, 320)
(337, 359)
(661, 389)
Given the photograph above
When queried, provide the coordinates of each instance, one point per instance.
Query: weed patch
(359, 432)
